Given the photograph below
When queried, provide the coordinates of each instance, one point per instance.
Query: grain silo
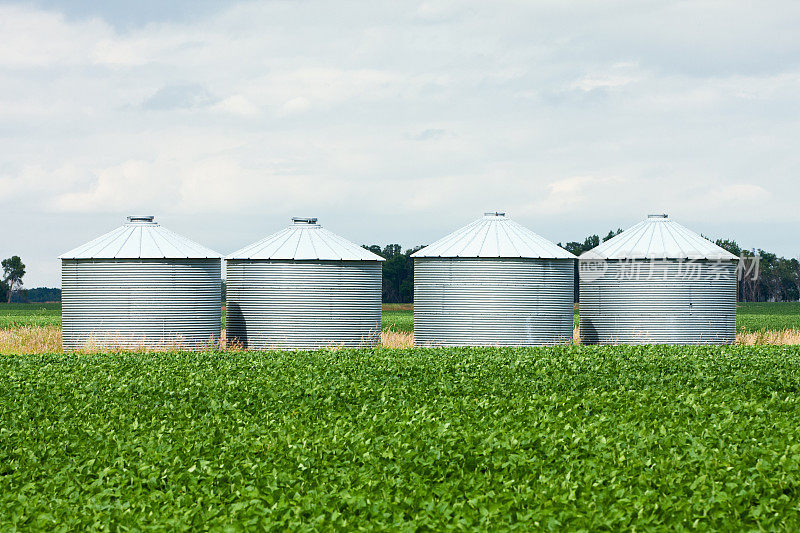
(658, 283)
(493, 282)
(140, 285)
(303, 288)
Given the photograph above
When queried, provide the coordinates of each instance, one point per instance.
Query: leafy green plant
(451, 439)
(762, 316)
(397, 320)
(37, 314)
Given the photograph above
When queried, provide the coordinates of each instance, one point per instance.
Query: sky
(395, 122)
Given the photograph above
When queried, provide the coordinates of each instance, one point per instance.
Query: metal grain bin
(303, 288)
(658, 283)
(140, 285)
(493, 282)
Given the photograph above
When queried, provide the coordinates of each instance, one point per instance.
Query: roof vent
(494, 214)
(141, 219)
(658, 216)
(302, 220)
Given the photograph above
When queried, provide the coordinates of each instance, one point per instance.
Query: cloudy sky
(396, 121)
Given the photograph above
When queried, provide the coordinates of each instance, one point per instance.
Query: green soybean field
(760, 316)
(570, 438)
(39, 314)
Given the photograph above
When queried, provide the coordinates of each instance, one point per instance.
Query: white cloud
(132, 185)
(182, 96)
(36, 39)
(566, 195)
(590, 83)
(115, 53)
(295, 105)
(236, 105)
(306, 88)
(737, 195)
(35, 181)
(581, 116)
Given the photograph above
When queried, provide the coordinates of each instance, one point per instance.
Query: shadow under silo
(235, 327)
(588, 332)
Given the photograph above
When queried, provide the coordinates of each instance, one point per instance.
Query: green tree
(43, 294)
(729, 245)
(375, 249)
(398, 272)
(577, 248)
(612, 234)
(13, 270)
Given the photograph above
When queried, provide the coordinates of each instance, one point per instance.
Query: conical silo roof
(141, 237)
(658, 237)
(305, 240)
(494, 235)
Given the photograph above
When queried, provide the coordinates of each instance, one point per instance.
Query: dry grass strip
(769, 337)
(397, 339)
(397, 307)
(47, 339)
(30, 340)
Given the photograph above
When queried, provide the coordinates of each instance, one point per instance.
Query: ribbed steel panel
(493, 302)
(140, 302)
(659, 302)
(303, 305)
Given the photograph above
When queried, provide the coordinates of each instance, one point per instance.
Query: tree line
(577, 248)
(764, 277)
(398, 272)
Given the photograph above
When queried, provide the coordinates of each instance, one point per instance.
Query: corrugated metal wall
(140, 302)
(505, 302)
(659, 302)
(303, 305)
